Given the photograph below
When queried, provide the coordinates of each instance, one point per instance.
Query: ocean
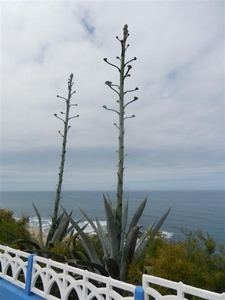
(191, 210)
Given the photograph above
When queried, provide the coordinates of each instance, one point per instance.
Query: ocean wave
(166, 234)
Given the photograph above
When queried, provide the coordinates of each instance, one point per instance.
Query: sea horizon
(125, 190)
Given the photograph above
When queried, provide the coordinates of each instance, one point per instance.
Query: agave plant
(132, 241)
(60, 225)
(120, 242)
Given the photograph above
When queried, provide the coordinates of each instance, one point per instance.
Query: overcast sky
(176, 140)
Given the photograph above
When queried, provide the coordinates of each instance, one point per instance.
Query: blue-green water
(191, 210)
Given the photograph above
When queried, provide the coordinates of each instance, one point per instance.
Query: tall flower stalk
(124, 71)
(65, 121)
(60, 222)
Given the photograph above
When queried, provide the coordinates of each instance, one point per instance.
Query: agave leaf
(78, 255)
(92, 265)
(72, 262)
(89, 248)
(72, 249)
(128, 251)
(124, 225)
(50, 254)
(130, 243)
(112, 267)
(52, 232)
(69, 230)
(112, 231)
(98, 231)
(104, 238)
(143, 238)
(110, 201)
(41, 240)
(158, 225)
(22, 241)
(61, 231)
(137, 214)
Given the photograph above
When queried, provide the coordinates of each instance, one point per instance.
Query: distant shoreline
(35, 232)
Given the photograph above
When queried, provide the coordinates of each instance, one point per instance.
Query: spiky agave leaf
(41, 240)
(137, 214)
(110, 201)
(77, 255)
(143, 239)
(124, 225)
(72, 262)
(53, 230)
(112, 267)
(50, 254)
(90, 265)
(158, 225)
(104, 237)
(28, 242)
(74, 253)
(112, 231)
(128, 251)
(99, 231)
(87, 245)
(62, 229)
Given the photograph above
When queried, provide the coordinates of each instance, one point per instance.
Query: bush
(11, 228)
(196, 261)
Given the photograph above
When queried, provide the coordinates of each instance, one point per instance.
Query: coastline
(35, 233)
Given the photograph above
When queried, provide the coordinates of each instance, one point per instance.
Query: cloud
(178, 131)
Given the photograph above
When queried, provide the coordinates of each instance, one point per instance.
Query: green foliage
(196, 261)
(43, 244)
(133, 242)
(11, 229)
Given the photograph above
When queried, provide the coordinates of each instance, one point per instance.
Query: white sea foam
(46, 223)
(166, 234)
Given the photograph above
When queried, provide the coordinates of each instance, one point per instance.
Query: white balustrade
(180, 288)
(53, 280)
(13, 266)
(67, 279)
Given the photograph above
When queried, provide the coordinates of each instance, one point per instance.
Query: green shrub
(11, 228)
(198, 261)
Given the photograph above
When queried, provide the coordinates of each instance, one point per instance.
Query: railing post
(139, 293)
(29, 274)
(180, 293)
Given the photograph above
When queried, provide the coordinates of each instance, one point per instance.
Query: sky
(175, 141)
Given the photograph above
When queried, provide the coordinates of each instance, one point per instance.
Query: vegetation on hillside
(11, 228)
(197, 260)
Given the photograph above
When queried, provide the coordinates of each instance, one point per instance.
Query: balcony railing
(26, 276)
